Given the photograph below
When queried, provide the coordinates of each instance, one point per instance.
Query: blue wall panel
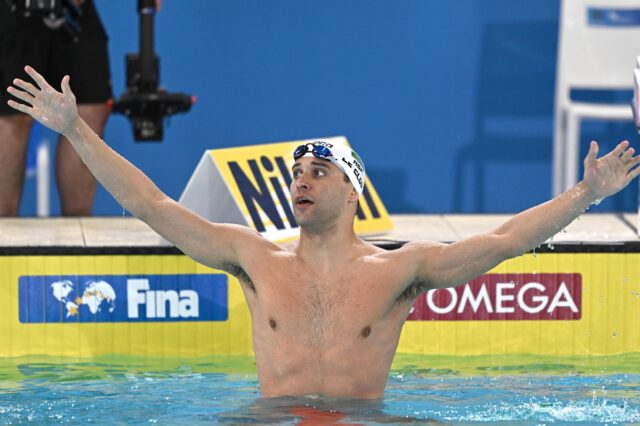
(449, 103)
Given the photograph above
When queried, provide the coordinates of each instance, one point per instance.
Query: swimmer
(327, 309)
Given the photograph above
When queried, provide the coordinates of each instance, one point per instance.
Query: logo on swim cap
(356, 156)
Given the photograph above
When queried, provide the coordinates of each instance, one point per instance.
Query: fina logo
(118, 298)
(183, 304)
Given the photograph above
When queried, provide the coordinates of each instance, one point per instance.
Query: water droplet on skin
(596, 202)
(578, 192)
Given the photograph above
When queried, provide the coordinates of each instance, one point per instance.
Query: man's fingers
(28, 87)
(21, 95)
(66, 89)
(620, 148)
(633, 174)
(40, 81)
(593, 153)
(633, 162)
(20, 107)
(626, 156)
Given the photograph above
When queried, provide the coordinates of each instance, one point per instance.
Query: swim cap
(342, 156)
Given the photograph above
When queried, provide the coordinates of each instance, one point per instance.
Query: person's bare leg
(14, 135)
(76, 184)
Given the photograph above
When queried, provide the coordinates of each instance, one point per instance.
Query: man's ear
(353, 196)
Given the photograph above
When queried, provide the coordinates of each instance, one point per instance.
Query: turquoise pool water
(129, 392)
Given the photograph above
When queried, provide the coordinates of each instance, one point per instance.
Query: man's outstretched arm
(211, 244)
(442, 265)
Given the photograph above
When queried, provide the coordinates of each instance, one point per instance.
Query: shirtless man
(326, 310)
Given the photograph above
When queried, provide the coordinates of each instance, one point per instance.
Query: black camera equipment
(144, 103)
(55, 14)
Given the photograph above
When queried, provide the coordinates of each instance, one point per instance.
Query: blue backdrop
(450, 104)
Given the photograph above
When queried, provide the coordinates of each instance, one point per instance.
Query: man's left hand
(609, 174)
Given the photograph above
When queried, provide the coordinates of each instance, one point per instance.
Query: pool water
(421, 390)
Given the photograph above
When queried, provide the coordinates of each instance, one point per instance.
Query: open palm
(46, 105)
(609, 174)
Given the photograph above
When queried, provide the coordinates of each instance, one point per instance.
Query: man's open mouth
(303, 201)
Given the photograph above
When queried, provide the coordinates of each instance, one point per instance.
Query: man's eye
(296, 173)
(319, 172)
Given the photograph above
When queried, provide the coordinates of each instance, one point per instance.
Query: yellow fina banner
(250, 186)
(149, 305)
(170, 306)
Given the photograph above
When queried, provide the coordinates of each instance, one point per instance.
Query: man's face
(319, 191)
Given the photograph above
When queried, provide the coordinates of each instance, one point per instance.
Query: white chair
(598, 45)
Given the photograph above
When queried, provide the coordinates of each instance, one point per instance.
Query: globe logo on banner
(94, 296)
(121, 298)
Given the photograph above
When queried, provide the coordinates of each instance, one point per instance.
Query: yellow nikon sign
(250, 186)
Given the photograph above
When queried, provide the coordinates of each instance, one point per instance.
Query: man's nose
(301, 182)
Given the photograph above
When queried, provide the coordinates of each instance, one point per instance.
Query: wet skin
(325, 327)
(332, 332)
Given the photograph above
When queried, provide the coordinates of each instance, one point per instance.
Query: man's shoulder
(410, 248)
(252, 245)
(410, 257)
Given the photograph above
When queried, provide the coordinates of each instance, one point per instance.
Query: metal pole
(147, 10)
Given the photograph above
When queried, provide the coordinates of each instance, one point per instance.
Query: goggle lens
(299, 152)
(319, 151)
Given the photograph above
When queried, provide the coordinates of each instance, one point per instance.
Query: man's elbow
(509, 246)
(514, 247)
(148, 208)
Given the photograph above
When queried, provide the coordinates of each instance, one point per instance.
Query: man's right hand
(56, 110)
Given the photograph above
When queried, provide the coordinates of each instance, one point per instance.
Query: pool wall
(68, 301)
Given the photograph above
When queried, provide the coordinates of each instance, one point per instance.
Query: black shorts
(27, 41)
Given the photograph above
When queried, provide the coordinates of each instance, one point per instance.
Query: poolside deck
(95, 232)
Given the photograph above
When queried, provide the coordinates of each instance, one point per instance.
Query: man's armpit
(240, 274)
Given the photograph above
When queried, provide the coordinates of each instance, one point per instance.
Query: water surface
(224, 390)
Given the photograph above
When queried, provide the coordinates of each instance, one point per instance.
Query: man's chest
(325, 306)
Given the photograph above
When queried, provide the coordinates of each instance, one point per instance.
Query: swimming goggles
(318, 151)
